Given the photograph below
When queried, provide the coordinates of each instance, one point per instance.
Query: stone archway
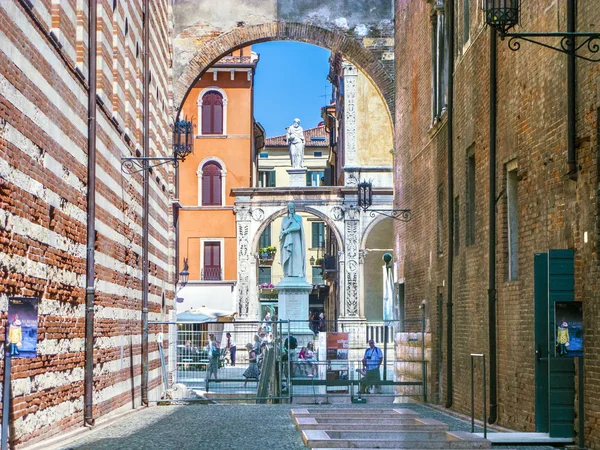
(336, 41)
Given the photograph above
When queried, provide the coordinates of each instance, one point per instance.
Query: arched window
(212, 113)
(211, 184)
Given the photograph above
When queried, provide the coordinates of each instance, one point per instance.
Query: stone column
(242, 217)
(351, 235)
(350, 136)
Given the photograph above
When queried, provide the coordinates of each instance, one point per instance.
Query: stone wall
(408, 365)
(43, 187)
(553, 211)
(362, 32)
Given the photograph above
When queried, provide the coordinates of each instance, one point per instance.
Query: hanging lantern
(365, 194)
(502, 14)
(182, 139)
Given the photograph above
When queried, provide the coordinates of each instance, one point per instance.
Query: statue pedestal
(297, 177)
(293, 305)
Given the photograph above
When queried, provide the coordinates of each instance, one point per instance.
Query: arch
(335, 41)
(299, 208)
(224, 111)
(223, 177)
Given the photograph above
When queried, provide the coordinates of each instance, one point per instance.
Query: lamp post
(182, 147)
(184, 276)
(365, 201)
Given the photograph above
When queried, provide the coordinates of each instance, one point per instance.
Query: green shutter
(561, 288)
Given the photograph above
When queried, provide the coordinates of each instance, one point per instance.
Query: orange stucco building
(220, 109)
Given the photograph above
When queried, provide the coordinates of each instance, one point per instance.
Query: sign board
(568, 317)
(337, 348)
(23, 326)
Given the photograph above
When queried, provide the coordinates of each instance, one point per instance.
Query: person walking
(371, 362)
(231, 347)
(214, 353)
(252, 370)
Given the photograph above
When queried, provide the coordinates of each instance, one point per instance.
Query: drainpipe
(571, 101)
(91, 220)
(145, 203)
(450, 112)
(492, 227)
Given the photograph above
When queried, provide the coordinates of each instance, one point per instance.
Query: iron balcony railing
(211, 274)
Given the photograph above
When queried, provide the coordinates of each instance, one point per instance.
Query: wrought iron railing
(211, 274)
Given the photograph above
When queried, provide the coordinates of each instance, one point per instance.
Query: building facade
(90, 241)
(220, 109)
(478, 252)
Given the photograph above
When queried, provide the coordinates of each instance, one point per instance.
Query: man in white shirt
(371, 362)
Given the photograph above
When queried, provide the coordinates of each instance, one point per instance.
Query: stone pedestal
(293, 305)
(297, 177)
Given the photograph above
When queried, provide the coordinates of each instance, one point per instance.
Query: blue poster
(569, 328)
(22, 326)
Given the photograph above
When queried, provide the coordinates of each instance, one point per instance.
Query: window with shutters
(318, 235)
(264, 275)
(265, 237)
(266, 178)
(212, 112)
(211, 184)
(211, 269)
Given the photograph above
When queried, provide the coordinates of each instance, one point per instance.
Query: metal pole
(90, 290)
(492, 225)
(571, 93)
(6, 391)
(450, 175)
(581, 406)
(385, 339)
(472, 399)
(484, 402)
(423, 364)
(145, 203)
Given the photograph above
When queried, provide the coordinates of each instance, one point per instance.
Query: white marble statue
(292, 244)
(295, 139)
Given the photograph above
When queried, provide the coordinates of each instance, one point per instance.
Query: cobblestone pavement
(224, 427)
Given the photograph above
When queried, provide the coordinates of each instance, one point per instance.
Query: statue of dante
(295, 139)
(291, 242)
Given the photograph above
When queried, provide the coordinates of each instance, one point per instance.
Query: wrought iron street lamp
(504, 15)
(312, 260)
(182, 147)
(365, 200)
(184, 276)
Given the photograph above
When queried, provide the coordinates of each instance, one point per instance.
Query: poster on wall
(23, 326)
(569, 329)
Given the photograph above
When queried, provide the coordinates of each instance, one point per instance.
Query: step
(310, 423)
(394, 439)
(352, 412)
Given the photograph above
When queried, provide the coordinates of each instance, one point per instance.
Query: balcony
(211, 274)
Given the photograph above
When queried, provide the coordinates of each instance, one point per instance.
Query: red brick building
(542, 203)
(50, 246)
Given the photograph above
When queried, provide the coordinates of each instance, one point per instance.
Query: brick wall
(553, 211)
(43, 184)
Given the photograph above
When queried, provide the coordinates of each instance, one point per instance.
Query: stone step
(352, 412)
(394, 439)
(363, 424)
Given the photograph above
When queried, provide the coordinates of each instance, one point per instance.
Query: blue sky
(290, 81)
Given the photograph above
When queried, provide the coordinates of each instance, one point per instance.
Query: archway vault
(336, 41)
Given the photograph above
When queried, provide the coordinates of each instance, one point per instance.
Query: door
(212, 261)
(554, 377)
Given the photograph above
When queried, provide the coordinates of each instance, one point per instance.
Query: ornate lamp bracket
(182, 147)
(570, 42)
(365, 200)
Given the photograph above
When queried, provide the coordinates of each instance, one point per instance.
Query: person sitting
(310, 358)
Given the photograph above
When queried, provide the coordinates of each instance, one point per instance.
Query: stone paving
(224, 427)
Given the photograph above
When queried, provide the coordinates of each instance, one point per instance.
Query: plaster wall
(375, 138)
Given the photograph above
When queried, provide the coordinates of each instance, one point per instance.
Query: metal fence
(284, 370)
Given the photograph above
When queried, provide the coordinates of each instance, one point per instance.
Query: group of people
(256, 351)
(307, 356)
